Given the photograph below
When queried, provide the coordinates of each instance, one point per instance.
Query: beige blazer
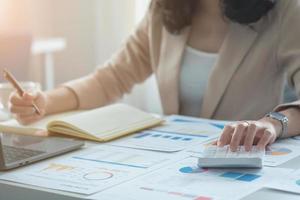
(247, 80)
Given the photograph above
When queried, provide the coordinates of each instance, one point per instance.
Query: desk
(48, 47)
(14, 191)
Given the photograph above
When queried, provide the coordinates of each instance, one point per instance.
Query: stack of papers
(184, 180)
(90, 171)
(160, 163)
(173, 136)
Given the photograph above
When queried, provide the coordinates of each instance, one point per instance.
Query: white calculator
(223, 157)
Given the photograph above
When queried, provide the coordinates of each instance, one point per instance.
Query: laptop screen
(29, 142)
(21, 147)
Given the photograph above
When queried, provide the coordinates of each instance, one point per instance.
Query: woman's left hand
(248, 133)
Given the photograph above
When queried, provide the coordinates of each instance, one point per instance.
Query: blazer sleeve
(289, 49)
(129, 66)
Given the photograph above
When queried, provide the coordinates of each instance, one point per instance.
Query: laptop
(19, 150)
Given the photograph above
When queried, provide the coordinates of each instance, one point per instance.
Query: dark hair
(177, 14)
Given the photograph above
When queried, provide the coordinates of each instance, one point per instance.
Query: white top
(196, 68)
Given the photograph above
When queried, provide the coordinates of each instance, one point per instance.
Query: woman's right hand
(22, 109)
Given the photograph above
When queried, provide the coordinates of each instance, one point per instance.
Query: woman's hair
(177, 14)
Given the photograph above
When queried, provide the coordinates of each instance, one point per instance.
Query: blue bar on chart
(240, 176)
(168, 136)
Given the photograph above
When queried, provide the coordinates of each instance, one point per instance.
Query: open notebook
(102, 124)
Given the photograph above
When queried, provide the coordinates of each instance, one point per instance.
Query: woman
(220, 59)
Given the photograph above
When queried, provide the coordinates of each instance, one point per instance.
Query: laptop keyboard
(13, 154)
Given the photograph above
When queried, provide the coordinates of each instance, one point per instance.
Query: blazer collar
(233, 51)
(172, 50)
(236, 45)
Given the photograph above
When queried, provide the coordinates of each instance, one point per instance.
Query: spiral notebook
(102, 124)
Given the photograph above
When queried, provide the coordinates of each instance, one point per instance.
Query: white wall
(146, 95)
(114, 21)
(71, 19)
(94, 29)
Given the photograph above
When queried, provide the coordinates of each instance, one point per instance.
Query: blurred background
(53, 41)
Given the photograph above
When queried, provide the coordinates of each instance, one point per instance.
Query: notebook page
(105, 120)
(14, 126)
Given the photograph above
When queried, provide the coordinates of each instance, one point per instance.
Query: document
(171, 136)
(292, 140)
(136, 192)
(217, 123)
(101, 124)
(204, 130)
(279, 153)
(291, 183)
(276, 154)
(184, 180)
(92, 171)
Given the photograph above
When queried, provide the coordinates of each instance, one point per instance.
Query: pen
(11, 79)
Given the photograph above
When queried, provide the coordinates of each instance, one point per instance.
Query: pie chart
(192, 170)
(274, 151)
(98, 176)
(296, 138)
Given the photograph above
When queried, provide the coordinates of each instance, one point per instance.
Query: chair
(15, 50)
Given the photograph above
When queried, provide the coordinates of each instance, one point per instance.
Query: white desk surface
(15, 191)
